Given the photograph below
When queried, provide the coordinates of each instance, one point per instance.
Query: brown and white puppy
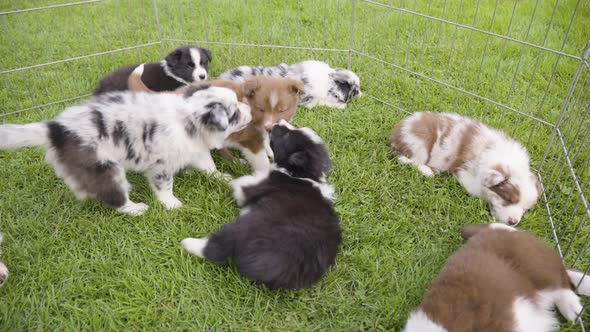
(487, 162)
(501, 279)
(270, 100)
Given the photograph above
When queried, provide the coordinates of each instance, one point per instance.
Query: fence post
(350, 39)
(159, 28)
(583, 63)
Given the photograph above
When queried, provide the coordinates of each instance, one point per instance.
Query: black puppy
(184, 65)
(287, 234)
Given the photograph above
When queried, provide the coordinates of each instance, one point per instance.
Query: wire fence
(519, 66)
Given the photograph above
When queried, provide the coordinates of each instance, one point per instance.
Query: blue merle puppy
(287, 234)
(91, 145)
(324, 86)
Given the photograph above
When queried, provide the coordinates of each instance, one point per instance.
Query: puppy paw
(425, 170)
(3, 274)
(569, 305)
(133, 209)
(171, 202)
(194, 246)
(404, 160)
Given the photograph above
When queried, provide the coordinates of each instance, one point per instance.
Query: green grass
(78, 265)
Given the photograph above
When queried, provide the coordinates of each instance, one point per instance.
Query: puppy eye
(191, 64)
(283, 110)
(260, 110)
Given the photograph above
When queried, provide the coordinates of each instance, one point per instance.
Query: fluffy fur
(324, 86)
(488, 163)
(182, 66)
(288, 234)
(90, 146)
(270, 99)
(501, 279)
(3, 268)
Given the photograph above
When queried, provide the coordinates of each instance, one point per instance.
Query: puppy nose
(268, 126)
(202, 76)
(512, 221)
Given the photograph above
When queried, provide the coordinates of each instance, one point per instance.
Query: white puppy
(91, 145)
(487, 162)
(323, 85)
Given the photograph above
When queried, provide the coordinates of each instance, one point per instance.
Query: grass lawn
(81, 266)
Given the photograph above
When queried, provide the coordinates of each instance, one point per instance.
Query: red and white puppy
(501, 279)
(487, 162)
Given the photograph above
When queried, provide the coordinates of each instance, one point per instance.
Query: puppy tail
(14, 136)
(134, 82)
(581, 281)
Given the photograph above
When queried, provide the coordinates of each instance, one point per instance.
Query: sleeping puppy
(91, 145)
(184, 65)
(501, 279)
(487, 162)
(287, 234)
(270, 98)
(3, 269)
(323, 86)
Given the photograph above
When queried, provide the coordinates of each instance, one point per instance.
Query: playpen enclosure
(518, 65)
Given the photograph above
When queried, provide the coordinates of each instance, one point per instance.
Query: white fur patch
(199, 70)
(273, 98)
(194, 246)
(3, 274)
(246, 181)
(530, 317)
(501, 226)
(419, 322)
(576, 277)
(312, 135)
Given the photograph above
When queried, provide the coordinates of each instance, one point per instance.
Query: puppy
(486, 162)
(3, 269)
(323, 86)
(500, 280)
(270, 98)
(287, 234)
(184, 65)
(90, 146)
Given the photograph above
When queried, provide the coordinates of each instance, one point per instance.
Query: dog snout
(202, 76)
(512, 221)
(268, 126)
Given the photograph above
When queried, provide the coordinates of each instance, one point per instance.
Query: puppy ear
(493, 178)
(250, 87)
(215, 117)
(537, 183)
(339, 75)
(471, 230)
(207, 54)
(296, 86)
(173, 58)
(298, 159)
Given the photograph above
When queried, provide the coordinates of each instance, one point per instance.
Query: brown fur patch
(477, 286)
(397, 144)
(464, 151)
(509, 192)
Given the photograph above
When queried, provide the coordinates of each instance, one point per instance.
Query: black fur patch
(149, 129)
(189, 127)
(194, 88)
(237, 72)
(119, 132)
(60, 135)
(234, 118)
(98, 121)
(118, 99)
(344, 87)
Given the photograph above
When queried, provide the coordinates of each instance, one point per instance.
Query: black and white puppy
(3, 269)
(324, 86)
(91, 145)
(287, 234)
(184, 65)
